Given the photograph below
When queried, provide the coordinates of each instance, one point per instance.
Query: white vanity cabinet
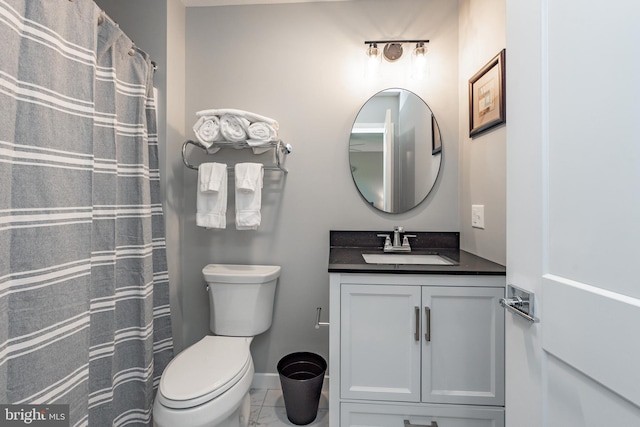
(416, 348)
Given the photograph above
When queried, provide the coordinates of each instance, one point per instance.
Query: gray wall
(483, 163)
(303, 64)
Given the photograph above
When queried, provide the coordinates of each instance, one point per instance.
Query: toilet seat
(204, 371)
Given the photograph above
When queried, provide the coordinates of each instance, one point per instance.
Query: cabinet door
(380, 342)
(463, 358)
(369, 415)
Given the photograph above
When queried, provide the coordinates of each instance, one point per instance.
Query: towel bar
(280, 148)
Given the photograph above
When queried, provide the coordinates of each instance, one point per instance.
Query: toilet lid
(205, 370)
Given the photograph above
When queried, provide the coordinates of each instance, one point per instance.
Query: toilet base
(230, 409)
(240, 418)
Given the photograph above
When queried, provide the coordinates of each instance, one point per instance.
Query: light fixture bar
(396, 41)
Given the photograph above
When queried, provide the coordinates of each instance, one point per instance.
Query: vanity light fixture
(393, 50)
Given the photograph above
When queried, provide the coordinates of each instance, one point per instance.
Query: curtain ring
(100, 18)
(132, 51)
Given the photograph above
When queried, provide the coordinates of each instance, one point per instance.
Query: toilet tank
(241, 298)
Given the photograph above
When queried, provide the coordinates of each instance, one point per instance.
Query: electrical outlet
(477, 216)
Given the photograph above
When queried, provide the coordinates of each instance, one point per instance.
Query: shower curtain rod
(103, 16)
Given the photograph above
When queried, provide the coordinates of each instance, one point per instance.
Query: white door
(573, 209)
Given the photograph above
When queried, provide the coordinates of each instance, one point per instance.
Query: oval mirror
(395, 150)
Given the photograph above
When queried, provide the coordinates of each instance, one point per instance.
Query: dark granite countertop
(347, 247)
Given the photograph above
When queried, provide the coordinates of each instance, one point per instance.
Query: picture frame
(487, 97)
(436, 139)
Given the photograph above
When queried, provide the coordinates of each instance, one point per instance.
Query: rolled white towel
(261, 133)
(234, 128)
(252, 117)
(207, 130)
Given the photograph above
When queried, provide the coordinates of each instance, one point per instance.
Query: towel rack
(280, 149)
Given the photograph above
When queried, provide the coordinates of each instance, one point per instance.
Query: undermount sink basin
(406, 259)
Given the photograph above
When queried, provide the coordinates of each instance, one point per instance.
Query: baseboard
(272, 381)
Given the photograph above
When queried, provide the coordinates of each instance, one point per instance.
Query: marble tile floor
(267, 410)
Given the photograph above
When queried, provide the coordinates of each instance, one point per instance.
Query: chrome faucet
(396, 246)
(396, 234)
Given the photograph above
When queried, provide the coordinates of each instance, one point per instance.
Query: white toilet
(208, 383)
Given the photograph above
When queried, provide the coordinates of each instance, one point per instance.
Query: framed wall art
(487, 101)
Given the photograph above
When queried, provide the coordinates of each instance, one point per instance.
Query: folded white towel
(207, 130)
(249, 178)
(211, 176)
(234, 128)
(204, 176)
(252, 117)
(211, 200)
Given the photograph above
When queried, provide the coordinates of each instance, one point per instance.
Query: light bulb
(372, 61)
(372, 51)
(419, 61)
(420, 50)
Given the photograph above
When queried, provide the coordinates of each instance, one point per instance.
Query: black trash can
(301, 377)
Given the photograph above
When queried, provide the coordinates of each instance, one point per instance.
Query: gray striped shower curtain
(84, 299)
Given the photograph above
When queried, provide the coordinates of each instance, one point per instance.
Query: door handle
(520, 302)
(417, 333)
(408, 424)
(427, 327)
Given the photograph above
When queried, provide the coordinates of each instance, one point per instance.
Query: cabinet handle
(408, 424)
(427, 327)
(417, 333)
